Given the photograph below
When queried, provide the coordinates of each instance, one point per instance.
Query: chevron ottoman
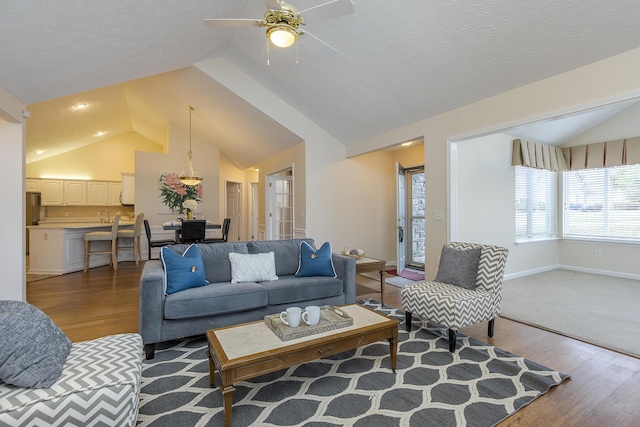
(99, 385)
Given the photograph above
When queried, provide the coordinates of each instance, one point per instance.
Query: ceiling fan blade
(332, 9)
(317, 45)
(232, 22)
(272, 4)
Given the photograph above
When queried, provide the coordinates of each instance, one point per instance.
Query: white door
(401, 214)
(253, 211)
(280, 205)
(234, 211)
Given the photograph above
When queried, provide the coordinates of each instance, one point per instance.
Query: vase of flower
(189, 206)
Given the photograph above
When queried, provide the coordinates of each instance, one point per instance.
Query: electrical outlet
(597, 252)
(438, 215)
(66, 213)
(46, 236)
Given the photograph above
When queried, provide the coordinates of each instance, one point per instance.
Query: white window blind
(535, 204)
(602, 203)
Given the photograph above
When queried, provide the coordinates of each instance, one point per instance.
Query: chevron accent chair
(99, 385)
(455, 307)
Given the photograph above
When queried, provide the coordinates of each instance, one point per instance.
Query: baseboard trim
(530, 272)
(571, 268)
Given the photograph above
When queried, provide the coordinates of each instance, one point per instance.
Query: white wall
(12, 198)
(340, 194)
(206, 159)
(613, 79)
(484, 191)
(616, 258)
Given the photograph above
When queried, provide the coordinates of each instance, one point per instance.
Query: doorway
(415, 233)
(280, 205)
(234, 210)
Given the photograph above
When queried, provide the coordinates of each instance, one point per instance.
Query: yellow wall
(104, 160)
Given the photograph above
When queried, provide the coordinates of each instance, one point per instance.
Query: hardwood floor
(603, 389)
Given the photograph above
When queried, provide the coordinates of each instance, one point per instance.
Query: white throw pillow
(252, 267)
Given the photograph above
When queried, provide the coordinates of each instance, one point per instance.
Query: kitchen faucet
(108, 216)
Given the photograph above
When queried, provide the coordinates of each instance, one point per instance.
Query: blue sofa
(222, 303)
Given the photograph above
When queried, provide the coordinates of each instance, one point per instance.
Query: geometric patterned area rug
(478, 385)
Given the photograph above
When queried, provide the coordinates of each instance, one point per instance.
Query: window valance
(536, 155)
(620, 152)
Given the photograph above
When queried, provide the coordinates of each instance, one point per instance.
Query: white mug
(293, 316)
(311, 315)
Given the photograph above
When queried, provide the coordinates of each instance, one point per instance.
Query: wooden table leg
(212, 370)
(382, 283)
(393, 349)
(227, 395)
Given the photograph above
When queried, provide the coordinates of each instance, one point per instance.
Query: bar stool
(134, 235)
(103, 236)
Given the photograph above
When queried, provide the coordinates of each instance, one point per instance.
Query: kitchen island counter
(58, 247)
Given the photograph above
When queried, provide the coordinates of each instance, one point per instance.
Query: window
(602, 203)
(535, 204)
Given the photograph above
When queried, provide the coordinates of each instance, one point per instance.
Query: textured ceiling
(397, 62)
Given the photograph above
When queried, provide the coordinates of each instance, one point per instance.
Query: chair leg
(114, 253)
(491, 327)
(452, 340)
(87, 248)
(136, 250)
(407, 320)
(149, 350)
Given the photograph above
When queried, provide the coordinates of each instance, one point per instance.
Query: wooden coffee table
(249, 350)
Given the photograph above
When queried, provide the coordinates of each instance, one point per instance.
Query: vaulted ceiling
(397, 62)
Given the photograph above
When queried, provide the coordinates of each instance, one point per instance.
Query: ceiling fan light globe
(282, 35)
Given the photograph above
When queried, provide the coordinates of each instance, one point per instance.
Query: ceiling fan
(283, 20)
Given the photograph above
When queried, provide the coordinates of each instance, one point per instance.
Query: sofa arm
(346, 271)
(152, 297)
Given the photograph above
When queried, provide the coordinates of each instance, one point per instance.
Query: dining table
(176, 225)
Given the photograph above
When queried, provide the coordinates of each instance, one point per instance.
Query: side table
(365, 264)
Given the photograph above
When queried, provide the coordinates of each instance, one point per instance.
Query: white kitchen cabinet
(32, 184)
(52, 192)
(75, 193)
(97, 193)
(114, 191)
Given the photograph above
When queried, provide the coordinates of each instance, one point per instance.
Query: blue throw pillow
(183, 271)
(315, 263)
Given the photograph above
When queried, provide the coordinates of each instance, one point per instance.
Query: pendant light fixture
(191, 177)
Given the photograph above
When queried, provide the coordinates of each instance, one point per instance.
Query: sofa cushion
(459, 267)
(217, 298)
(292, 289)
(32, 348)
(252, 267)
(315, 263)
(215, 257)
(182, 271)
(286, 252)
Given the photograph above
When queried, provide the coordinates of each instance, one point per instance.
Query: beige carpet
(601, 310)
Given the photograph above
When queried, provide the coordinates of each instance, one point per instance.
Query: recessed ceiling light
(80, 106)
(100, 133)
(406, 144)
(39, 151)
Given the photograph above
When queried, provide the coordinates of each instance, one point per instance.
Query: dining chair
(155, 243)
(225, 232)
(134, 235)
(193, 230)
(103, 236)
